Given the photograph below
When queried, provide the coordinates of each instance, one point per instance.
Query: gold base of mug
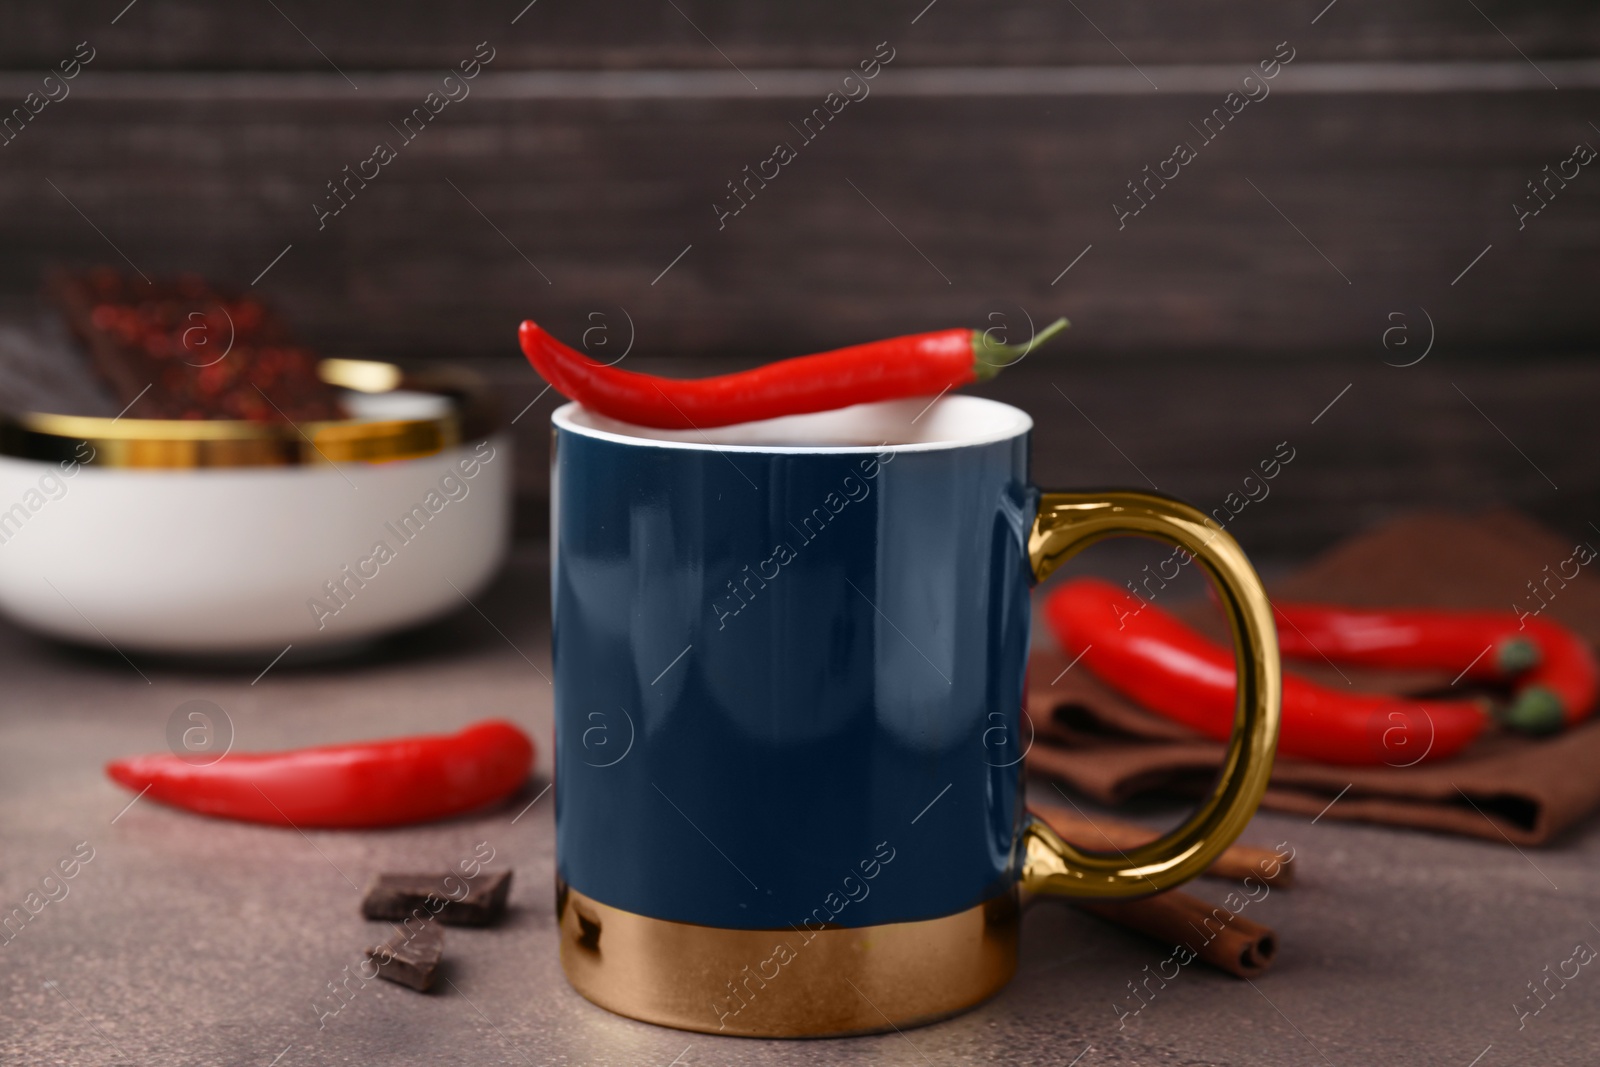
(791, 982)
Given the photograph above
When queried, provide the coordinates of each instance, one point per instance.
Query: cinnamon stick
(1195, 929)
(1237, 862)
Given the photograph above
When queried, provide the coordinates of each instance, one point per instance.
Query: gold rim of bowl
(175, 444)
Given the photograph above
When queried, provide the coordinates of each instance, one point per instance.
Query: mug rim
(575, 418)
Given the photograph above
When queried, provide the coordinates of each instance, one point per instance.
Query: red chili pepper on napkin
(1556, 674)
(1562, 690)
(376, 783)
(1480, 645)
(1168, 668)
(915, 365)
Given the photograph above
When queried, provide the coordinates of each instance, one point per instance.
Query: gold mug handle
(1066, 524)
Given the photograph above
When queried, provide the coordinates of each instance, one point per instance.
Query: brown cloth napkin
(1517, 789)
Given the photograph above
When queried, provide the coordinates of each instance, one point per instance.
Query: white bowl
(219, 537)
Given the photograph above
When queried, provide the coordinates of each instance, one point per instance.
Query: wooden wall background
(985, 161)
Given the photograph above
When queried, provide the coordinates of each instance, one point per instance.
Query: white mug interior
(913, 424)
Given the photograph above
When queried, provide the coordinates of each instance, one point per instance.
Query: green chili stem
(990, 356)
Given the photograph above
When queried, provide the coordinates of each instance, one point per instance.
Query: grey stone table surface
(186, 940)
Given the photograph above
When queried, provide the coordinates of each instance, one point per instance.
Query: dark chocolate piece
(452, 899)
(411, 957)
(183, 349)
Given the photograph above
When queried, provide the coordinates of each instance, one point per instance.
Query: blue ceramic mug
(789, 673)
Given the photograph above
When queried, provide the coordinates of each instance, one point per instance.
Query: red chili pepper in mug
(1170, 669)
(915, 365)
(1562, 690)
(1481, 645)
(375, 783)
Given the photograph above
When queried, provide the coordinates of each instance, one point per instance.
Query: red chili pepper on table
(1562, 690)
(1481, 645)
(1170, 669)
(915, 365)
(377, 783)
